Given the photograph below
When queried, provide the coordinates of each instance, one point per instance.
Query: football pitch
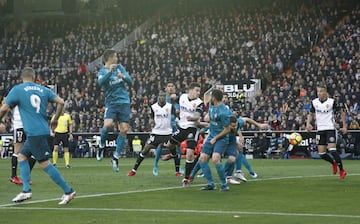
(286, 191)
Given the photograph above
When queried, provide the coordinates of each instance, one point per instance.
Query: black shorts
(325, 137)
(19, 135)
(191, 135)
(61, 137)
(156, 140)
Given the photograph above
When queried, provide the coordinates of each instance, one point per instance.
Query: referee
(63, 133)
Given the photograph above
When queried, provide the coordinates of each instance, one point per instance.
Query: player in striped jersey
(324, 109)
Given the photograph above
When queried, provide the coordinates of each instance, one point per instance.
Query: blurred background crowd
(289, 45)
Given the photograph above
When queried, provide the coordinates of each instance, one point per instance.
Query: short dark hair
(193, 85)
(170, 80)
(217, 94)
(323, 86)
(108, 53)
(162, 93)
(233, 119)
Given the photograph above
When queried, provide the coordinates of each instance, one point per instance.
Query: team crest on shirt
(194, 105)
(190, 136)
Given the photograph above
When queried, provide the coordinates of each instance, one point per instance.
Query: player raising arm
(113, 79)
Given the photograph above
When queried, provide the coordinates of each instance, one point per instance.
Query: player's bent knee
(232, 159)
(203, 158)
(44, 164)
(216, 157)
(21, 157)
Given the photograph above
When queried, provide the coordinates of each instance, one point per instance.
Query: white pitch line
(163, 189)
(188, 211)
(13, 206)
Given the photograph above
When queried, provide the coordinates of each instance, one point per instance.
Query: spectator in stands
(354, 125)
(256, 147)
(288, 67)
(82, 147)
(350, 143)
(283, 144)
(273, 145)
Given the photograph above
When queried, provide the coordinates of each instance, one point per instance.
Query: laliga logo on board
(110, 143)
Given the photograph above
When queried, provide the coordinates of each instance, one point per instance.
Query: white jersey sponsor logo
(162, 118)
(187, 109)
(324, 113)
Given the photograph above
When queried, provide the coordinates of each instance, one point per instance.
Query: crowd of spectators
(289, 50)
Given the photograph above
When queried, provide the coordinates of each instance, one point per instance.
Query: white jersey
(187, 109)
(324, 113)
(162, 118)
(16, 119)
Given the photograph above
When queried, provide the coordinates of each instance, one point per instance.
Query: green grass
(287, 191)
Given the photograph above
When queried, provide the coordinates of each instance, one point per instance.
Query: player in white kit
(325, 108)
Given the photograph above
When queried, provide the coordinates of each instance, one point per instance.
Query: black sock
(14, 163)
(138, 161)
(326, 157)
(189, 166)
(177, 163)
(337, 159)
(32, 162)
(173, 151)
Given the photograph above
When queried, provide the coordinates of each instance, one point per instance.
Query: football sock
(179, 152)
(189, 166)
(177, 163)
(221, 173)
(326, 157)
(67, 158)
(120, 143)
(57, 178)
(14, 163)
(138, 161)
(178, 149)
(157, 156)
(229, 168)
(195, 169)
(246, 163)
(238, 161)
(207, 172)
(55, 156)
(337, 159)
(32, 162)
(104, 135)
(25, 174)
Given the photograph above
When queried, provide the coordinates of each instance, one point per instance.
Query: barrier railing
(303, 150)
